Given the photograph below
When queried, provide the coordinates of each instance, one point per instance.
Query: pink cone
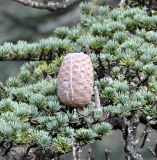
(75, 80)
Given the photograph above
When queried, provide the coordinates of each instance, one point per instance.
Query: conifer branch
(49, 5)
(129, 134)
(145, 135)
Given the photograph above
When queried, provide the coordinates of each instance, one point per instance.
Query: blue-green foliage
(123, 52)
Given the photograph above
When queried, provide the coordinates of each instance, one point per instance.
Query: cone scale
(75, 80)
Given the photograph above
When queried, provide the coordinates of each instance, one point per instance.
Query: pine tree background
(8, 69)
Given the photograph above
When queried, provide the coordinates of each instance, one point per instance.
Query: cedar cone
(75, 80)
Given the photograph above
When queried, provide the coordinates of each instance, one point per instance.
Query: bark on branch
(49, 5)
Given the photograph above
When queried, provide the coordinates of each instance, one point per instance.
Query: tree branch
(49, 5)
(75, 149)
(146, 134)
(107, 154)
(129, 134)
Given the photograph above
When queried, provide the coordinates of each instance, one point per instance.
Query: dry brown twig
(49, 5)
